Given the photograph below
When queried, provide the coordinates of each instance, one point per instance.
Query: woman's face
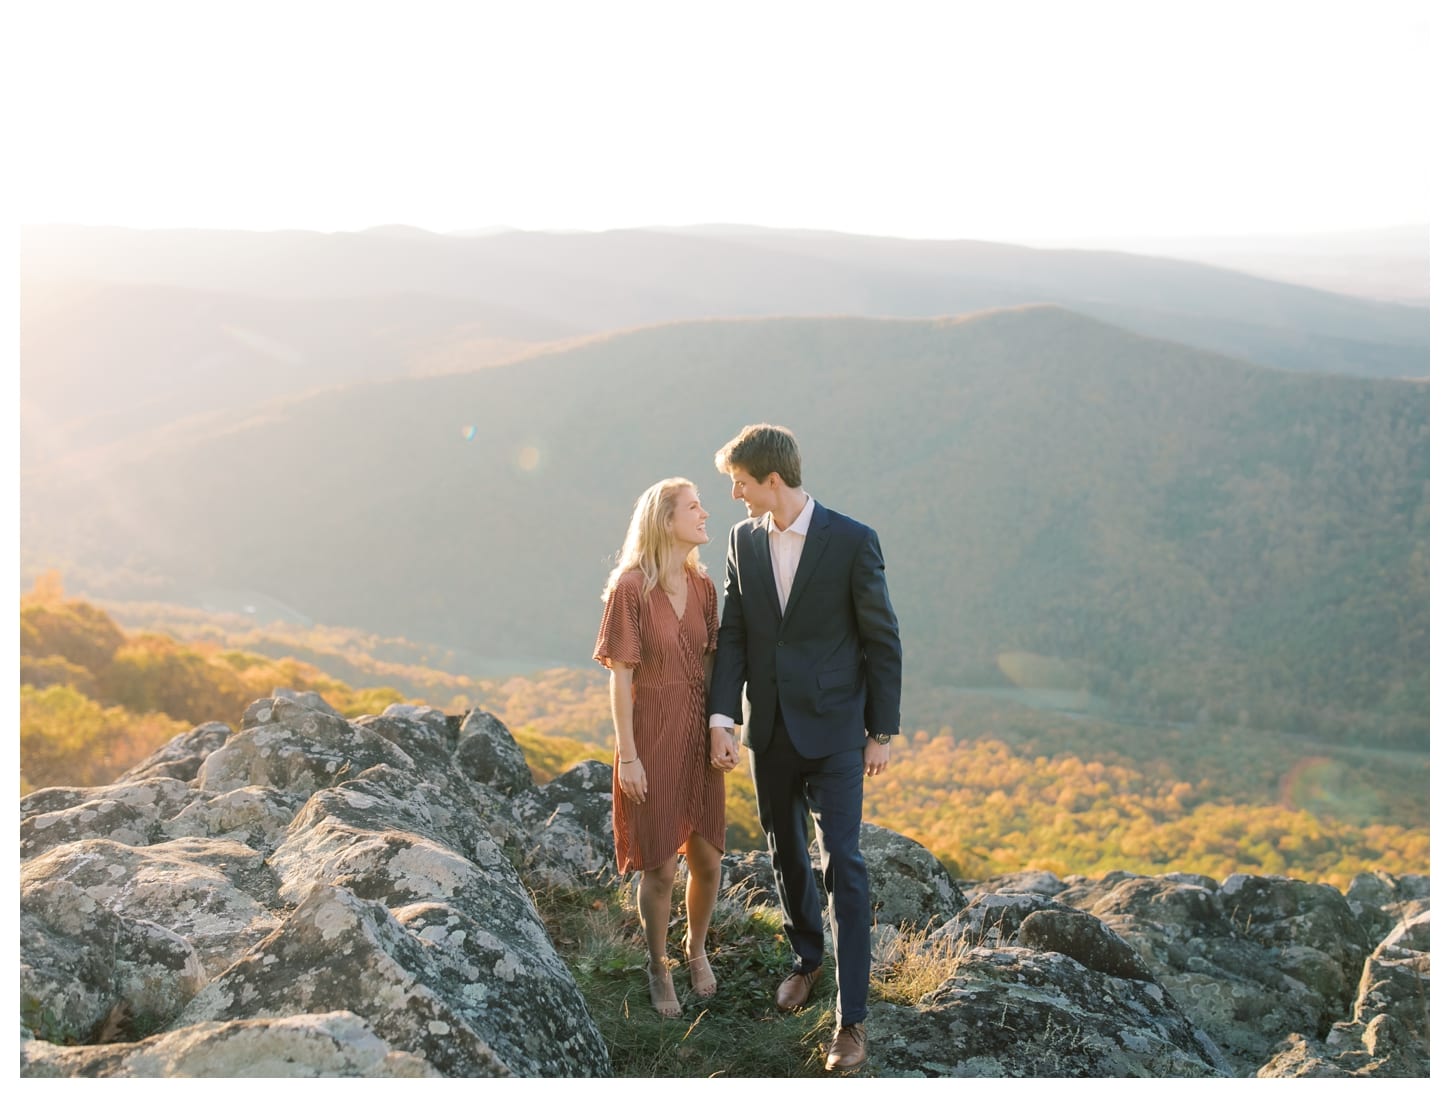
(687, 526)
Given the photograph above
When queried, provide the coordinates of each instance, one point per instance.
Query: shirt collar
(802, 523)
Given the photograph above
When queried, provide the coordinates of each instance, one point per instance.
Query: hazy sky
(1007, 119)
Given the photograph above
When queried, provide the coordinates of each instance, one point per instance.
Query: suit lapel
(811, 553)
(760, 545)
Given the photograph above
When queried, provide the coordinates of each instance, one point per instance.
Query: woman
(658, 641)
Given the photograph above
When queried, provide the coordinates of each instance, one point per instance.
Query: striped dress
(685, 793)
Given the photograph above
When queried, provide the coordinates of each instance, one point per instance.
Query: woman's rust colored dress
(684, 793)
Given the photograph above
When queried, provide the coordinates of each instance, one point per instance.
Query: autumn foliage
(996, 788)
(986, 808)
(94, 701)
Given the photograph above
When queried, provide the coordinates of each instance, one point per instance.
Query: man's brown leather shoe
(795, 989)
(848, 1048)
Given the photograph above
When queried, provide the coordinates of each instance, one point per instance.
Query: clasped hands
(724, 751)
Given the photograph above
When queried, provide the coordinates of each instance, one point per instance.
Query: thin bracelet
(626, 762)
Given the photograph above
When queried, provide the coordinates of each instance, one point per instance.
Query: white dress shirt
(785, 557)
(785, 548)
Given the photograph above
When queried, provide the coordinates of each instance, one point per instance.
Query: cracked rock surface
(306, 895)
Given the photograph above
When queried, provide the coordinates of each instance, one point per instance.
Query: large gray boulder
(338, 951)
(335, 1045)
(993, 918)
(260, 711)
(254, 815)
(426, 735)
(488, 754)
(1388, 1035)
(1083, 938)
(1392, 1000)
(1256, 961)
(1279, 912)
(296, 749)
(181, 756)
(747, 874)
(79, 960)
(1016, 1013)
(218, 896)
(1379, 1049)
(1381, 900)
(125, 812)
(321, 897)
(909, 886)
(568, 826)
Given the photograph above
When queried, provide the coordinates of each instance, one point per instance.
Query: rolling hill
(106, 361)
(1176, 530)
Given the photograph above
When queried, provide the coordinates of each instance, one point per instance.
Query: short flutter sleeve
(712, 615)
(619, 631)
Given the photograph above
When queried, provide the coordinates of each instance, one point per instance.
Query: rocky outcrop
(335, 1045)
(1014, 1012)
(1381, 902)
(909, 887)
(488, 754)
(1284, 976)
(307, 895)
(1078, 935)
(569, 825)
(1388, 1034)
(993, 918)
(216, 895)
(310, 895)
(130, 812)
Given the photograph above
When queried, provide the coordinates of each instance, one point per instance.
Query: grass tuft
(909, 965)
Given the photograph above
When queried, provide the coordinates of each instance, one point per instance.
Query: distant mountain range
(107, 361)
(1384, 264)
(398, 297)
(1182, 531)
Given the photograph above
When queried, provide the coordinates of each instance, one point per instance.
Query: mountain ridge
(1164, 520)
(623, 278)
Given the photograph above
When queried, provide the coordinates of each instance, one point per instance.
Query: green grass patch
(737, 1033)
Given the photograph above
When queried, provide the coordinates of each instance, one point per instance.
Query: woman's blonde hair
(648, 544)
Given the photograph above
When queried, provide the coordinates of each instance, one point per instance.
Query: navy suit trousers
(790, 791)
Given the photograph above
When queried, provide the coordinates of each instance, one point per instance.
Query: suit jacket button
(780, 644)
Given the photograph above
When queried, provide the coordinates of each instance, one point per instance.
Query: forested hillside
(94, 700)
(1182, 535)
(1005, 789)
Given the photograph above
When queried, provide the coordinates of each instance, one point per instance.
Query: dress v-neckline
(679, 615)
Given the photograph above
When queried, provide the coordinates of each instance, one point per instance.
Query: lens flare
(528, 458)
(468, 432)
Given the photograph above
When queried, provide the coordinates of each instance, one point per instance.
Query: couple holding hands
(808, 635)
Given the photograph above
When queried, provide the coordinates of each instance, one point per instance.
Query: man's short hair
(762, 449)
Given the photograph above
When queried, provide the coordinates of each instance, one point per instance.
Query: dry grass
(909, 964)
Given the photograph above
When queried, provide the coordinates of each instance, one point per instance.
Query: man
(808, 631)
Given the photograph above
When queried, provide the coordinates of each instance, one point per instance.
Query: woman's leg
(703, 886)
(656, 887)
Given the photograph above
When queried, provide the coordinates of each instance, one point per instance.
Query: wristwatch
(883, 738)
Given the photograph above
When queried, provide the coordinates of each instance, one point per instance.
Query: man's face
(759, 496)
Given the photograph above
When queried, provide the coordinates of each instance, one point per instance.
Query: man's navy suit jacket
(831, 661)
